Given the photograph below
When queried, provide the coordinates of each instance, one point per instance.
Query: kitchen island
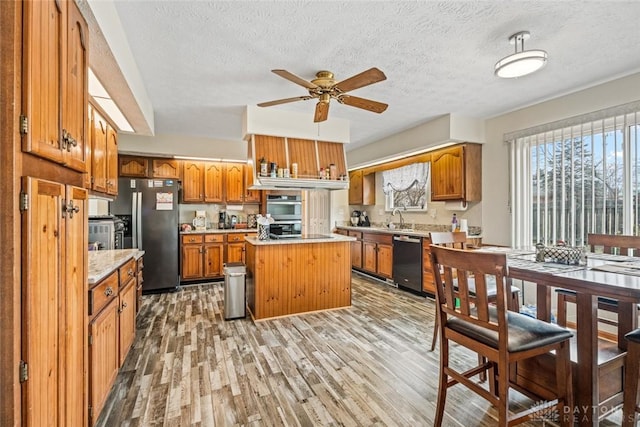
(298, 275)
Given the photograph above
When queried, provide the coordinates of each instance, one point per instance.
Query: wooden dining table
(589, 283)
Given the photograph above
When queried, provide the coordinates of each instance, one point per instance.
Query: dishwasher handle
(407, 239)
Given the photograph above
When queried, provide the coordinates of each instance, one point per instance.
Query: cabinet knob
(130, 273)
(68, 141)
(108, 292)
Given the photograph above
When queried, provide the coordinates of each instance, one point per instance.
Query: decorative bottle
(454, 223)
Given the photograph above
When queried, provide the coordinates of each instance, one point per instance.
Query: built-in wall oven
(286, 211)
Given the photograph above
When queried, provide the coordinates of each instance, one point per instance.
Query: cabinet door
(99, 153)
(234, 183)
(112, 161)
(103, 356)
(192, 182)
(127, 319)
(250, 196)
(73, 292)
(42, 238)
(135, 167)
(213, 259)
(356, 254)
(192, 267)
(369, 256)
(235, 252)
(43, 28)
(140, 280)
(214, 182)
(385, 260)
(75, 95)
(165, 168)
(355, 187)
(447, 174)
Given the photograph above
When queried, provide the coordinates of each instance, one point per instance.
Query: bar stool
(630, 407)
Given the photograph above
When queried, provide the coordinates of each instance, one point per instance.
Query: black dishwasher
(407, 262)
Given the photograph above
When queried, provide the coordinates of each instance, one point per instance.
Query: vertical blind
(577, 178)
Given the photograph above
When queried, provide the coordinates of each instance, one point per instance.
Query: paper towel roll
(464, 226)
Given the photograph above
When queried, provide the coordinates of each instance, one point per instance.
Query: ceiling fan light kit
(522, 62)
(324, 88)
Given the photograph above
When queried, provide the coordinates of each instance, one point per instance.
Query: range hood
(310, 156)
(267, 183)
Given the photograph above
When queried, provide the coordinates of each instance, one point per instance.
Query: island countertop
(329, 238)
(102, 263)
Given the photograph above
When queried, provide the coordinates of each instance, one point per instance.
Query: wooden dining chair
(458, 239)
(630, 407)
(502, 337)
(611, 244)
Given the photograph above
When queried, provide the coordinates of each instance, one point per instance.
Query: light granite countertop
(330, 238)
(103, 263)
(221, 231)
(404, 231)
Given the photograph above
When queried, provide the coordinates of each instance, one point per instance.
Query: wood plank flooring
(367, 365)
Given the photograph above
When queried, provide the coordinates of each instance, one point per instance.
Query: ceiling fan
(324, 87)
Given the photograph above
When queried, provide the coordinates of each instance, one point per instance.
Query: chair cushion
(524, 332)
(492, 289)
(633, 336)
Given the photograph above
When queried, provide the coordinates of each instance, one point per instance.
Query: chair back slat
(472, 307)
(452, 239)
(615, 244)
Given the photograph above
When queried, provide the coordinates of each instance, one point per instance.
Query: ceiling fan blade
(365, 104)
(283, 101)
(365, 78)
(322, 112)
(297, 80)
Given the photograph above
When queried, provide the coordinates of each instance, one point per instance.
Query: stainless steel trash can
(235, 305)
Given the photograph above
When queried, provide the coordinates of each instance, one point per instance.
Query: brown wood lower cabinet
(427, 271)
(377, 254)
(112, 330)
(202, 256)
(236, 247)
(103, 346)
(356, 249)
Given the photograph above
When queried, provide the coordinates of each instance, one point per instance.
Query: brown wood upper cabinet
(456, 173)
(104, 154)
(55, 94)
(133, 166)
(165, 168)
(214, 182)
(362, 188)
(234, 182)
(250, 196)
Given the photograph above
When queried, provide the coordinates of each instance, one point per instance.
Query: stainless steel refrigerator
(149, 208)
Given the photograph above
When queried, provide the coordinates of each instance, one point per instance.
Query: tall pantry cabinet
(53, 210)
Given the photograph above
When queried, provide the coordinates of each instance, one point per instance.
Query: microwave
(285, 207)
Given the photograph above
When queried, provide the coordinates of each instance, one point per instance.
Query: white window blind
(576, 179)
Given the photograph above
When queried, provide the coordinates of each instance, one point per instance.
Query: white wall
(170, 145)
(496, 218)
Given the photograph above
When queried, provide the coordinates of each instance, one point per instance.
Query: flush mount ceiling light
(521, 62)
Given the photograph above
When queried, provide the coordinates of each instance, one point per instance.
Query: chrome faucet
(393, 213)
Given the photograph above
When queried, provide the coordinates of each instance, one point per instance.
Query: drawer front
(192, 238)
(102, 293)
(234, 238)
(214, 238)
(378, 238)
(127, 272)
(356, 234)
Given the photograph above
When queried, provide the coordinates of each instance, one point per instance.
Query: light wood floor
(368, 365)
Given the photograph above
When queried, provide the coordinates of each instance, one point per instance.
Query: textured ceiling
(203, 61)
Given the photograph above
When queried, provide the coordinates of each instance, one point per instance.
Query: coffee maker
(223, 220)
(200, 221)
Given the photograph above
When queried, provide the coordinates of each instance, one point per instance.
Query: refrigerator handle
(134, 219)
(139, 220)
